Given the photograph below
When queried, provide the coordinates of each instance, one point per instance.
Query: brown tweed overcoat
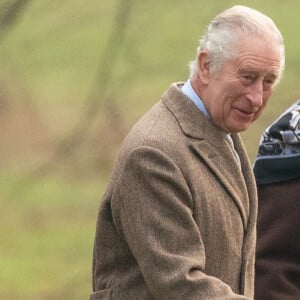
(178, 217)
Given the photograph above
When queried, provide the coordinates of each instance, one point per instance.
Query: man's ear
(204, 67)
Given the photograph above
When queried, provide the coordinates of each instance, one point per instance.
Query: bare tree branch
(10, 15)
(102, 79)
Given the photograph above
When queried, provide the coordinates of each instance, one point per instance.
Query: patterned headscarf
(278, 157)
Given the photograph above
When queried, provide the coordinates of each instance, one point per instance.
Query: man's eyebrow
(246, 69)
(271, 73)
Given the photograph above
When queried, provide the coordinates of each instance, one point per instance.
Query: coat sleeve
(153, 209)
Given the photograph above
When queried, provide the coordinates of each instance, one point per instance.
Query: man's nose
(255, 94)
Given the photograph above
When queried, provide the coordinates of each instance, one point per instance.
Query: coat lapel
(223, 165)
(210, 144)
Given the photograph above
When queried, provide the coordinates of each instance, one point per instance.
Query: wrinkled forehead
(258, 53)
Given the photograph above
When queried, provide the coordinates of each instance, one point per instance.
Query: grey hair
(223, 33)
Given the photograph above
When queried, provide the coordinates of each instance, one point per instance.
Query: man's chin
(235, 128)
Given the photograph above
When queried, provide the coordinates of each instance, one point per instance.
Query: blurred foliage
(75, 75)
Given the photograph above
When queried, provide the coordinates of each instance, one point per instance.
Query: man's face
(237, 94)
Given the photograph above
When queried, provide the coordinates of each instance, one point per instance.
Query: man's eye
(247, 79)
(269, 81)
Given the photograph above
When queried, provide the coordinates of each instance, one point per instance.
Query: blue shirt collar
(188, 90)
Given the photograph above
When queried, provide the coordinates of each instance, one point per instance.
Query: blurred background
(74, 77)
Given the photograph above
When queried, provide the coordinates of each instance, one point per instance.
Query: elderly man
(178, 217)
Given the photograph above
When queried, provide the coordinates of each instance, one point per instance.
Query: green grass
(49, 67)
(48, 229)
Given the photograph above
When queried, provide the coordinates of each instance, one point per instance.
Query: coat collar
(184, 110)
(191, 120)
(210, 144)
